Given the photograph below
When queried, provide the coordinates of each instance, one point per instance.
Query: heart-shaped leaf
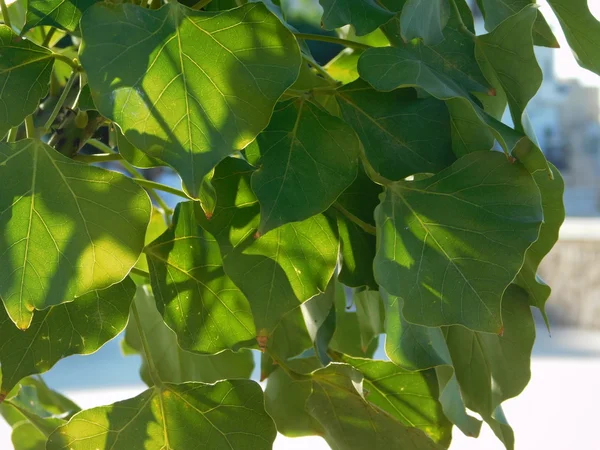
(227, 415)
(167, 90)
(452, 264)
(198, 301)
(306, 158)
(67, 228)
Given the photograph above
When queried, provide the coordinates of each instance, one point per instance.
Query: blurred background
(558, 409)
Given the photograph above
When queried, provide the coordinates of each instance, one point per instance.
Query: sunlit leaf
(67, 228)
(279, 270)
(306, 158)
(196, 298)
(337, 402)
(25, 70)
(450, 248)
(227, 415)
(79, 327)
(192, 86)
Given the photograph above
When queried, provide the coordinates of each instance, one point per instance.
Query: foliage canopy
(324, 207)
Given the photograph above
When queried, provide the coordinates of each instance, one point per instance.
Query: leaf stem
(30, 127)
(98, 157)
(140, 272)
(368, 228)
(61, 101)
(201, 4)
(135, 173)
(146, 347)
(48, 37)
(161, 187)
(333, 40)
(74, 64)
(5, 15)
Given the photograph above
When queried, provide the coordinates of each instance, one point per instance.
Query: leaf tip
(501, 331)
(262, 342)
(2, 396)
(492, 92)
(257, 235)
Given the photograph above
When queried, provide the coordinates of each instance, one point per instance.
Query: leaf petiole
(333, 40)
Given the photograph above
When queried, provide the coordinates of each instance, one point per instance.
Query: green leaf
(582, 31)
(552, 190)
(78, 327)
(319, 315)
(193, 86)
(411, 346)
(347, 338)
(496, 11)
(25, 70)
(173, 364)
(350, 422)
(425, 19)
(285, 399)
(34, 412)
(370, 315)
(306, 158)
(451, 244)
(134, 156)
(401, 134)
(490, 368)
(67, 228)
(197, 300)
(279, 270)
(62, 14)
(409, 397)
(156, 227)
(227, 415)
(364, 15)
(508, 50)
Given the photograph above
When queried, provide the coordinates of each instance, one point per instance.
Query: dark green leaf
(165, 96)
(413, 347)
(25, 70)
(370, 315)
(509, 51)
(228, 415)
(347, 338)
(582, 30)
(552, 190)
(306, 158)
(451, 244)
(67, 228)
(198, 301)
(425, 19)
(337, 402)
(173, 364)
(401, 134)
(78, 327)
(63, 14)
(364, 15)
(279, 270)
(496, 11)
